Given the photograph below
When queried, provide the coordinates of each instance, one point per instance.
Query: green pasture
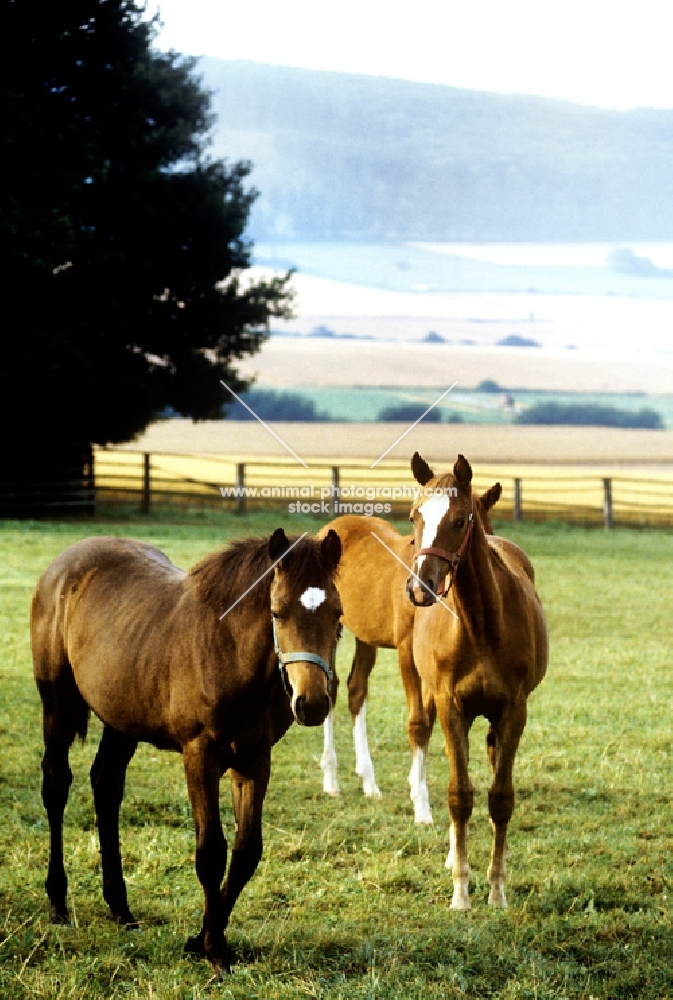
(351, 899)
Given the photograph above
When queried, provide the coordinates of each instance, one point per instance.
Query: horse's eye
(460, 523)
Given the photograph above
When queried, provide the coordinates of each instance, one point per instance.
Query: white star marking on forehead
(312, 598)
(432, 512)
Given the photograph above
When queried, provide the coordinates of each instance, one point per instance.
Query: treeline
(271, 405)
(293, 407)
(340, 157)
(590, 415)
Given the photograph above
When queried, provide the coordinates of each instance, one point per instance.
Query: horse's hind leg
(328, 761)
(108, 772)
(490, 750)
(64, 716)
(505, 736)
(358, 685)
(420, 721)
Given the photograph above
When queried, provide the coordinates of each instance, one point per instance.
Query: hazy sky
(611, 53)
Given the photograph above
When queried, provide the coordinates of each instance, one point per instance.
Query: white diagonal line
(250, 410)
(413, 425)
(417, 578)
(260, 578)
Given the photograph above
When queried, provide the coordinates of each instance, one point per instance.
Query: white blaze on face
(432, 512)
(312, 598)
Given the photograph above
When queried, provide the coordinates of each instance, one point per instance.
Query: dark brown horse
(184, 661)
(374, 567)
(480, 646)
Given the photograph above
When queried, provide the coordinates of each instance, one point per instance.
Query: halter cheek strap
(285, 658)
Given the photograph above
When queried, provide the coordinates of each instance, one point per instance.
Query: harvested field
(293, 362)
(600, 447)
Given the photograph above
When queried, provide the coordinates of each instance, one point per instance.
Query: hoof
(126, 920)
(496, 897)
(423, 813)
(461, 895)
(59, 914)
(221, 962)
(195, 946)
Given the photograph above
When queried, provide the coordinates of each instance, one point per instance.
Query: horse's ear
(421, 470)
(491, 496)
(462, 470)
(330, 550)
(278, 545)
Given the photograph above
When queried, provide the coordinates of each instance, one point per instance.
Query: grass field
(351, 899)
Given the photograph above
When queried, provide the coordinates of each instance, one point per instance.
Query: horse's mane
(223, 577)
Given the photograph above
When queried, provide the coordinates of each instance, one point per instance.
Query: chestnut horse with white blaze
(480, 646)
(374, 567)
(188, 662)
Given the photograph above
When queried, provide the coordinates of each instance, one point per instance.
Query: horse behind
(375, 564)
(188, 662)
(480, 646)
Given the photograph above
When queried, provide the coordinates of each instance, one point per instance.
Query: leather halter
(453, 558)
(285, 658)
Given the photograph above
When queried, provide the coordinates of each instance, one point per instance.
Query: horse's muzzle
(310, 712)
(427, 597)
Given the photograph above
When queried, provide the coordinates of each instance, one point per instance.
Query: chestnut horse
(374, 566)
(188, 662)
(480, 646)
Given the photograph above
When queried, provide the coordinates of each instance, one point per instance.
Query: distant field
(294, 362)
(594, 297)
(328, 443)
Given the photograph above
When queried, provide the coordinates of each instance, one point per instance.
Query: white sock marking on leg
(328, 761)
(419, 788)
(363, 761)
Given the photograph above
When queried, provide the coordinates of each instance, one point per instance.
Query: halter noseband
(285, 658)
(453, 558)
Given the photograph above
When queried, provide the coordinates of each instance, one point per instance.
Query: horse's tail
(61, 698)
(81, 713)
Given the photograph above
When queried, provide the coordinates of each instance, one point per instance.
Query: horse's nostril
(311, 713)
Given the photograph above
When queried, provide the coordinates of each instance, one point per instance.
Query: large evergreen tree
(122, 244)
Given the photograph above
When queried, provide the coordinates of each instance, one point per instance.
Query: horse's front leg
(202, 770)
(461, 797)
(505, 738)
(248, 788)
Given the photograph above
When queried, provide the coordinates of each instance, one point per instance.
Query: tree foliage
(123, 245)
(590, 415)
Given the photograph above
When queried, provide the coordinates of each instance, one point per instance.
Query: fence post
(518, 510)
(90, 481)
(147, 486)
(607, 504)
(240, 484)
(335, 490)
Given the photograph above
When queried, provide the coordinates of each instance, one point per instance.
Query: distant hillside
(341, 157)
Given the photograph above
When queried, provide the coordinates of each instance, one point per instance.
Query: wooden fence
(532, 493)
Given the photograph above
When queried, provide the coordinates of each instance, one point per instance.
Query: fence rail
(534, 493)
